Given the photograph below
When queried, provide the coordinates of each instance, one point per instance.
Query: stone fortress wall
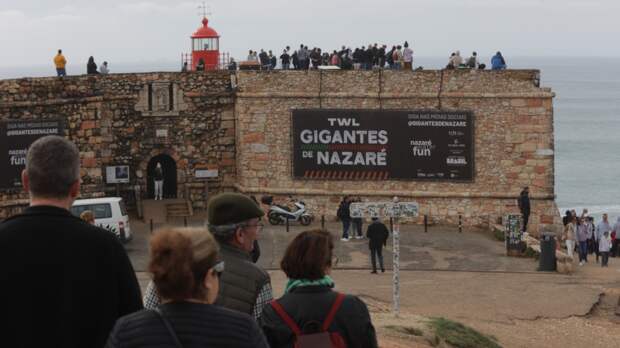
(513, 138)
(243, 130)
(129, 119)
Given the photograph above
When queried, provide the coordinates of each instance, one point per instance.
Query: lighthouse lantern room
(205, 47)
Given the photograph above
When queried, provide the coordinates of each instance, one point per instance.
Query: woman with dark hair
(186, 269)
(91, 66)
(310, 309)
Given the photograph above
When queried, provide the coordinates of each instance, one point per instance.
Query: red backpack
(321, 339)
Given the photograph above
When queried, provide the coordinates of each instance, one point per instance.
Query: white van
(110, 213)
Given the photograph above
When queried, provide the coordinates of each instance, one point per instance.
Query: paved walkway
(462, 276)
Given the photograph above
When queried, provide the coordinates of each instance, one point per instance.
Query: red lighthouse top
(205, 31)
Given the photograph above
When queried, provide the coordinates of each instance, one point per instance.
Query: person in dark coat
(377, 234)
(344, 215)
(186, 271)
(91, 66)
(63, 281)
(524, 206)
(308, 297)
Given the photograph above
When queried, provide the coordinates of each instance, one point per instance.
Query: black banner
(383, 144)
(15, 138)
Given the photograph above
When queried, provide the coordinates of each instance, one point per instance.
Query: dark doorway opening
(169, 169)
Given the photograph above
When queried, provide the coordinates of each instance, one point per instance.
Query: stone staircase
(179, 209)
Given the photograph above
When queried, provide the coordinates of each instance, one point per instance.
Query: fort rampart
(238, 128)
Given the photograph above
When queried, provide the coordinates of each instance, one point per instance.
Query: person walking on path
(582, 238)
(601, 228)
(186, 271)
(158, 180)
(64, 282)
(234, 221)
(377, 234)
(569, 237)
(604, 245)
(60, 62)
(524, 206)
(310, 310)
(344, 215)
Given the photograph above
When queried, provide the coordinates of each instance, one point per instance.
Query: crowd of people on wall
(69, 283)
(585, 236)
(373, 56)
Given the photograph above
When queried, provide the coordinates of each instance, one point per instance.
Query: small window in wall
(101, 211)
(209, 44)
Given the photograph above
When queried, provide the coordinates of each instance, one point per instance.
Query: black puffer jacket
(312, 303)
(195, 324)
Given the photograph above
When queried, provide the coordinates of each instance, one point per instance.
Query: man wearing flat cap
(234, 221)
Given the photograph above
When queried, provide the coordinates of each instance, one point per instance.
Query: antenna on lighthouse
(205, 9)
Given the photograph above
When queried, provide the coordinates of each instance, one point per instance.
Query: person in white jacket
(604, 244)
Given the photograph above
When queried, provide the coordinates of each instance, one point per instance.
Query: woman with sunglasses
(186, 269)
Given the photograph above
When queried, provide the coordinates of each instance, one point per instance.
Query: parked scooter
(278, 214)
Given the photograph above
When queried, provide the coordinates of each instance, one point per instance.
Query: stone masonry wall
(513, 138)
(108, 118)
(244, 131)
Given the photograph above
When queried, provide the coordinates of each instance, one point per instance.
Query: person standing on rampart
(407, 57)
(60, 62)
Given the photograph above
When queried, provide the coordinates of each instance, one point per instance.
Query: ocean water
(586, 112)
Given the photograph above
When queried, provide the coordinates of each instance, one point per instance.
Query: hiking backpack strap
(332, 312)
(287, 319)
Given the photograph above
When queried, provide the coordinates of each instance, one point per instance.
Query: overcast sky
(158, 30)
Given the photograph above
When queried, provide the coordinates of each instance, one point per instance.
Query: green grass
(460, 336)
(412, 331)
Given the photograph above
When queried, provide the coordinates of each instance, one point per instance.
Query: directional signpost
(395, 210)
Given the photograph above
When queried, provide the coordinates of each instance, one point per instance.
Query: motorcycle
(278, 214)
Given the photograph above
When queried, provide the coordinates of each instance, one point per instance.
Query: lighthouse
(206, 46)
